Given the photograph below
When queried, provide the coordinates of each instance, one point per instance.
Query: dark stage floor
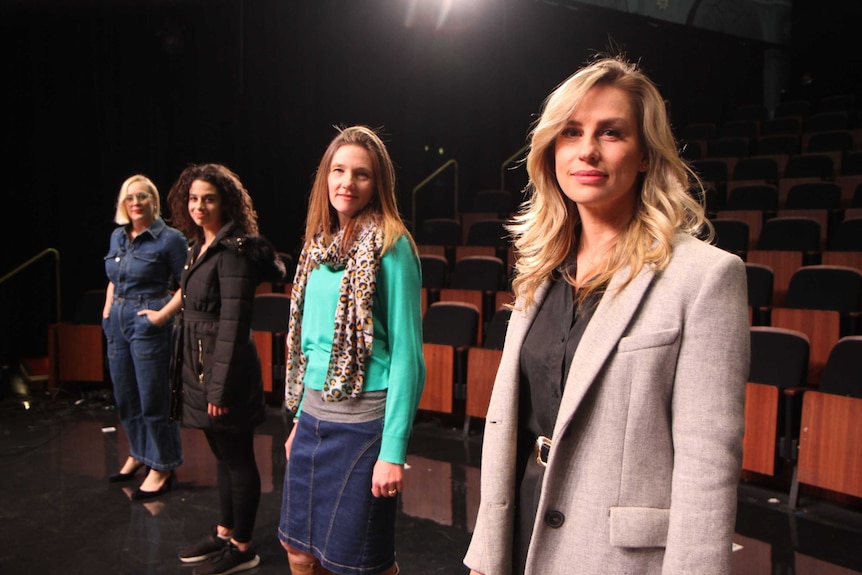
(59, 515)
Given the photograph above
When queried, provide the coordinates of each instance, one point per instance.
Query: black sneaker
(231, 560)
(207, 547)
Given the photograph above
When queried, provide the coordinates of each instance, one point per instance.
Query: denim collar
(156, 228)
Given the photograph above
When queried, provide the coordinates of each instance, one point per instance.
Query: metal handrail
(427, 180)
(32, 260)
(509, 161)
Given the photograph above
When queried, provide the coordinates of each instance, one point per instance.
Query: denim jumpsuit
(138, 351)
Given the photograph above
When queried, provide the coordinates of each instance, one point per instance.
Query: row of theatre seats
(467, 263)
(794, 127)
(801, 160)
(784, 192)
(792, 209)
(809, 431)
(787, 243)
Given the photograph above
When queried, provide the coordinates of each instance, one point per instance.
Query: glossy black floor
(59, 515)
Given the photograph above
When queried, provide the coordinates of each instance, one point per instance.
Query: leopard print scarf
(354, 325)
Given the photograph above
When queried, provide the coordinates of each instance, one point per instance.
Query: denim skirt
(327, 507)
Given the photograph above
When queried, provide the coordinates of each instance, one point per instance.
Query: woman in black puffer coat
(220, 365)
(222, 389)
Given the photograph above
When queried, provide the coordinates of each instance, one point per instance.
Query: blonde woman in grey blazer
(613, 440)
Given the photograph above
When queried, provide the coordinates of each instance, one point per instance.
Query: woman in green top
(355, 293)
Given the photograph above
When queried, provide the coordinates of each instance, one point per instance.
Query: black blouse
(546, 356)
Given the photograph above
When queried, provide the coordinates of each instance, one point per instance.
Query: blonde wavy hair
(544, 231)
(383, 207)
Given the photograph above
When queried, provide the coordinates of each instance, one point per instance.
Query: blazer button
(554, 519)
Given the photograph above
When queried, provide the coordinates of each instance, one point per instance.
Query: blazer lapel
(612, 316)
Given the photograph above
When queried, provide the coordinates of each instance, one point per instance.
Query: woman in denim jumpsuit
(144, 255)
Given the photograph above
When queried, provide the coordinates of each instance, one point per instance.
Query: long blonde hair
(383, 207)
(545, 229)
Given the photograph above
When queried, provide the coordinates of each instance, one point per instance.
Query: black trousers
(238, 480)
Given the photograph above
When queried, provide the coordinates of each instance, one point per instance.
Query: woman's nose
(588, 151)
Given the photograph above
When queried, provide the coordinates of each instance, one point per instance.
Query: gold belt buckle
(542, 442)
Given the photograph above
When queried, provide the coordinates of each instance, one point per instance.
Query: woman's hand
(215, 410)
(169, 310)
(157, 318)
(109, 300)
(289, 442)
(475, 572)
(386, 479)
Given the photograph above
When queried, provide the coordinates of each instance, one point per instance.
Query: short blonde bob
(122, 215)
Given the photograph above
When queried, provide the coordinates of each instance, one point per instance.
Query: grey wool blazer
(647, 447)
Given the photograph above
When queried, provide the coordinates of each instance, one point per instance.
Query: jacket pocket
(648, 340)
(639, 526)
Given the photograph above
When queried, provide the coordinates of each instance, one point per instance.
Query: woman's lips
(589, 176)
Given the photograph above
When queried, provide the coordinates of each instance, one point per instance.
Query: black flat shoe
(120, 476)
(141, 495)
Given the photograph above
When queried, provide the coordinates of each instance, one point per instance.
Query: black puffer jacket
(220, 364)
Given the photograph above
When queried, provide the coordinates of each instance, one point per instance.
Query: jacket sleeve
(237, 285)
(707, 423)
(177, 248)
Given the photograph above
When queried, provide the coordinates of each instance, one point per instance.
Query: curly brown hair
(236, 201)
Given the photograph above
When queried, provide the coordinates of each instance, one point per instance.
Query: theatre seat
(448, 329)
(76, 348)
(482, 364)
(777, 375)
(269, 321)
(830, 444)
